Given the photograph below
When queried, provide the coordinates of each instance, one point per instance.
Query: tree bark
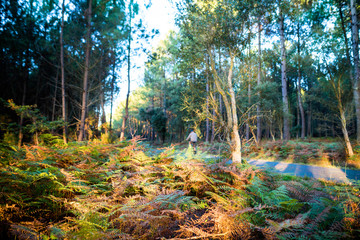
(297, 120)
(235, 137)
(103, 116)
(247, 126)
(63, 106)
(55, 95)
(355, 48)
(125, 118)
(21, 123)
(343, 28)
(112, 91)
(345, 133)
(26, 78)
(230, 106)
(258, 110)
(337, 85)
(284, 80)
(338, 94)
(213, 116)
(309, 125)
(86, 75)
(207, 108)
(301, 108)
(164, 93)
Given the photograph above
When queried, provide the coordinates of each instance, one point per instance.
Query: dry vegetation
(131, 191)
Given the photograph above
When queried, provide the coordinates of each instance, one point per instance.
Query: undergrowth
(130, 191)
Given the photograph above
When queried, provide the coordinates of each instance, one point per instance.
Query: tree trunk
(343, 28)
(355, 47)
(213, 120)
(55, 95)
(297, 120)
(258, 110)
(309, 126)
(284, 80)
(235, 137)
(63, 106)
(102, 87)
(230, 106)
(345, 133)
(86, 75)
(21, 123)
(247, 127)
(207, 108)
(125, 118)
(26, 77)
(164, 93)
(301, 108)
(103, 116)
(112, 92)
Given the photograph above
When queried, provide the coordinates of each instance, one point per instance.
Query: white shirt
(192, 136)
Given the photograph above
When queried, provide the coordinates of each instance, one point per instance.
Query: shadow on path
(328, 173)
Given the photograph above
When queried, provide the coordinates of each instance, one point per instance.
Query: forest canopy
(234, 71)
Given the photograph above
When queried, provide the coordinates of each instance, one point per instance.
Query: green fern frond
(292, 206)
(276, 196)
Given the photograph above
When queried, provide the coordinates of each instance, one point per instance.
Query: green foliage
(158, 121)
(48, 139)
(10, 138)
(108, 137)
(130, 191)
(39, 123)
(8, 153)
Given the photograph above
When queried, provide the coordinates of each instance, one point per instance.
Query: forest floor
(133, 190)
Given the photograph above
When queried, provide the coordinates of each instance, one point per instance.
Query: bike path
(300, 170)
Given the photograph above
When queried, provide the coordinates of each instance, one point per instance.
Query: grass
(129, 190)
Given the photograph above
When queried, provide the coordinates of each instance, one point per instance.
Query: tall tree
(126, 116)
(112, 87)
(355, 48)
(221, 25)
(84, 106)
(207, 133)
(63, 96)
(258, 109)
(340, 89)
(299, 89)
(285, 100)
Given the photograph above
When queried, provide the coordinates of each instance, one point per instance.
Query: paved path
(328, 173)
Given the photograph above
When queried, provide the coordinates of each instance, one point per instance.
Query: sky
(161, 16)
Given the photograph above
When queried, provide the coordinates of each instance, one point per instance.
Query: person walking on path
(193, 140)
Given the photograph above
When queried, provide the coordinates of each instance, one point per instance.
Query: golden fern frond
(22, 232)
(241, 230)
(268, 233)
(296, 222)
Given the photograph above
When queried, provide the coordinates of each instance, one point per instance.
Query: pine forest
(240, 121)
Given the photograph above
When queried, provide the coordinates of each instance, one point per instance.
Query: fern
(276, 196)
(119, 191)
(292, 206)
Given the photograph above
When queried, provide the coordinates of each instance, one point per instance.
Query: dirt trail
(300, 170)
(328, 173)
